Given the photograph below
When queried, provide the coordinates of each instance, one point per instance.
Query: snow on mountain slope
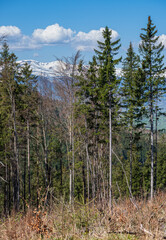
(48, 70)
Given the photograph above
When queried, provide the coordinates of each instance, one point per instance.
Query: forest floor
(138, 220)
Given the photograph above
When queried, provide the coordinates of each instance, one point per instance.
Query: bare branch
(132, 198)
(2, 164)
(3, 179)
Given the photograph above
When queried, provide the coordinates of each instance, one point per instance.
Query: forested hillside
(83, 138)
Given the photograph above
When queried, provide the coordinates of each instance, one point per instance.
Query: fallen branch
(126, 232)
(146, 231)
(135, 233)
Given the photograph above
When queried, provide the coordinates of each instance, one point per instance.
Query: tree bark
(131, 157)
(28, 160)
(152, 147)
(16, 162)
(156, 152)
(110, 153)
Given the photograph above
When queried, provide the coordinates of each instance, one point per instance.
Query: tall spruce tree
(29, 108)
(11, 88)
(132, 91)
(108, 84)
(152, 64)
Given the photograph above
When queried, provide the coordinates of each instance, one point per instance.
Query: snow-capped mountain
(48, 69)
(51, 70)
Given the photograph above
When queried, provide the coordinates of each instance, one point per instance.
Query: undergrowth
(139, 221)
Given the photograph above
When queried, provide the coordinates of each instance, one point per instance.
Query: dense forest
(89, 135)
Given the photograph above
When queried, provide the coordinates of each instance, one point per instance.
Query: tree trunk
(45, 157)
(70, 164)
(87, 159)
(152, 147)
(110, 153)
(24, 179)
(37, 145)
(28, 160)
(6, 187)
(84, 181)
(73, 164)
(131, 157)
(61, 169)
(155, 175)
(16, 162)
(87, 167)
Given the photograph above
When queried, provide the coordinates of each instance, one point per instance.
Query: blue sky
(44, 30)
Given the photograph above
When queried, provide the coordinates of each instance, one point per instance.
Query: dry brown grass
(90, 222)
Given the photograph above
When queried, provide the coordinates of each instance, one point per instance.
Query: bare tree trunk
(152, 147)
(9, 188)
(45, 156)
(110, 153)
(131, 158)
(24, 179)
(73, 164)
(28, 160)
(6, 187)
(87, 167)
(37, 143)
(93, 180)
(87, 160)
(61, 169)
(16, 162)
(84, 181)
(70, 165)
(156, 152)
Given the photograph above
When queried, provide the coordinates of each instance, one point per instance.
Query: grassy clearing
(90, 222)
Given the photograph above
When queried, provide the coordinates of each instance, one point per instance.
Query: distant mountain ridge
(50, 70)
(47, 69)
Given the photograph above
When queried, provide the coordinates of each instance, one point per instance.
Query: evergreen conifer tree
(132, 91)
(10, 86)
(153, 67)
(108, 85)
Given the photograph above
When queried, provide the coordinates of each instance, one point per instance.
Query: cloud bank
(88, 41)
(9, 31)
(53, 35)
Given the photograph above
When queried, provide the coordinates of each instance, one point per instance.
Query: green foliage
(63, 137)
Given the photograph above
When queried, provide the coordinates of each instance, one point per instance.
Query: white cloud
(53, 34)
(24, 42)
(9, 31)
(88, 41)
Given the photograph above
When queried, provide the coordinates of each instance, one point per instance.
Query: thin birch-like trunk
(37, 143)
(87, 167)
(156, 130)
(6, 187)
(45, 156)
(70, 164)
(110, 153)
(16, 161)
(131, 158)
(152, 147)
(28, 161)
(24, 179)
